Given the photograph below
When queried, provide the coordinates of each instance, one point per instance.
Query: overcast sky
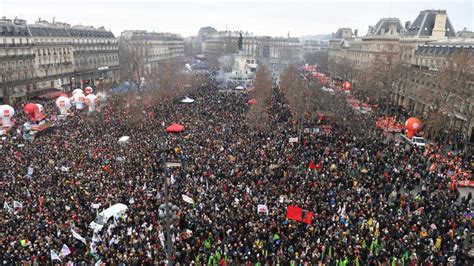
(262, 17)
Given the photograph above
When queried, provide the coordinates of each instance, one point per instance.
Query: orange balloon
(412, 126)
(347, 85)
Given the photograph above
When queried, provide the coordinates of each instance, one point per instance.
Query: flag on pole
(78, 237)
(7, 207)
(17, 204)
(54, 256)
(64, 251)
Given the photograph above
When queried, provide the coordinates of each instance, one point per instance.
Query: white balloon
(6, 113)
(64, 104)
(77, 91)
(79, 99)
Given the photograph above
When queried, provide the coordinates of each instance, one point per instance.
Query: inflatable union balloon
(79, 99)
(64, 104)
(77, 91)
(347, 86)
(40, 107)
(88, 90)
(33, 111)
(91, 102)
(412, 126)
(6, 113)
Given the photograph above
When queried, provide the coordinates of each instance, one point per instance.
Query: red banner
(298, 214)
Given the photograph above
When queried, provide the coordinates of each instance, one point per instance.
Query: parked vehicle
(414, 141)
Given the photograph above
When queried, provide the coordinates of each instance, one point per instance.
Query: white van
(106, 214)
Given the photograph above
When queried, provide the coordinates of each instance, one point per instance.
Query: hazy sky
(262, 17)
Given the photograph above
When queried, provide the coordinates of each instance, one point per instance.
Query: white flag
(7, 207)
(17, 204)
(162, 238)
(172, 179)
(78, 237)
(64, 251)
(30, 170)
(54, 256)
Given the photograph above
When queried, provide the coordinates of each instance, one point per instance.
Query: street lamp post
(167, 215)
(167, 204)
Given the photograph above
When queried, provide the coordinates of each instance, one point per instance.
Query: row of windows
(19, 41)
(104, 61)
(54, 51)
(12, 65)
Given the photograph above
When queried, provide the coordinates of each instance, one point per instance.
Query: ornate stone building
(44, 56)
(422, 49)
(348, 52)
(54, 56)
(273, 51)
(17, 59)
(95, 55)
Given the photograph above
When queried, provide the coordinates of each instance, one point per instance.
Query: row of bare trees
(258, 116)
(444, 93)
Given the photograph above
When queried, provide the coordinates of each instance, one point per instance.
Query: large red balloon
(32, 110)
(412, 125)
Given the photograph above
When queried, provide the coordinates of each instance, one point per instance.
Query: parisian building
(272, 51)
(423, 47)
(45, 56)
(154, 47)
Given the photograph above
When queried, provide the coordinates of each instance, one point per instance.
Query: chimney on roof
(439, 28)
(407, 25)
(356, 32)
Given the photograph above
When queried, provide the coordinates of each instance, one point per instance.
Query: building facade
(347, 52)
(40, 57)
(17, 59)
(96, 57)
(274, 51)
(153, 47)
(422, 49)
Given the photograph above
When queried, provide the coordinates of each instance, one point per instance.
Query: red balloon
(32, 110)
(412, 125)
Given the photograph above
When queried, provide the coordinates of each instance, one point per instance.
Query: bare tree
(454, 95)
(133, 58)
(319, 57)
(382, 78)
(258, 113)
(172, 80)
(343, 69)
(300, 96)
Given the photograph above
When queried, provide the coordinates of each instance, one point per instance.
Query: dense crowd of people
(374, 202)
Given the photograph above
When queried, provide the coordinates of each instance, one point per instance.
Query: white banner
(292, 140)
(261, 208)
(187, 199)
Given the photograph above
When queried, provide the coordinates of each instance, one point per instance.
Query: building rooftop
(16, 27)
(387, 27)
(425, 22)
(82, 31)
(150, 36)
